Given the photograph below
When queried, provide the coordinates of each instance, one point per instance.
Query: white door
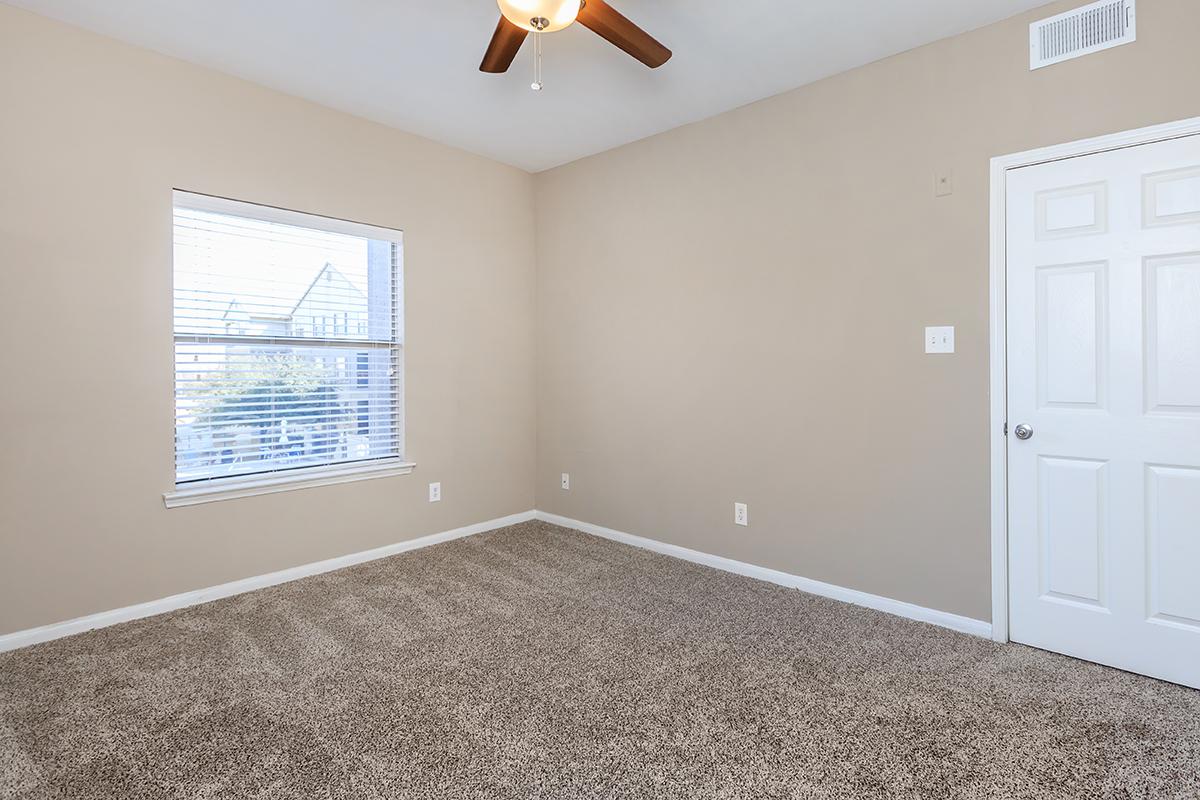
(1104, 369)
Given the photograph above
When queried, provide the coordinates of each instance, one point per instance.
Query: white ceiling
(413, 64)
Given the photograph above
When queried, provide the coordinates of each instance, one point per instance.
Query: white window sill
(251, 485)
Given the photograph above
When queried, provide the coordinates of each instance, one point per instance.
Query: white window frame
(325, 475)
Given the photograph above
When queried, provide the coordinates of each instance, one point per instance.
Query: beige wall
(729, 311)
(93, 136)
(734, 310)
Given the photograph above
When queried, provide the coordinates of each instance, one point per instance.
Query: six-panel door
(1103, 278)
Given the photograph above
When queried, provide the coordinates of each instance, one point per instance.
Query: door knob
(1023, 432)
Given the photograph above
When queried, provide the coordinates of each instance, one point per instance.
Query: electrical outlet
(741, 515)
(435, 492)
(566, 481)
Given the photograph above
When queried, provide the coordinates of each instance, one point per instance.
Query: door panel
(1173, 334)
(1071, 353)
(1072, 517)
(1172, 197)
(1172, 515)
(1104, 365)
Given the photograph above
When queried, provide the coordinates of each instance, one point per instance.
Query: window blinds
(287, 341)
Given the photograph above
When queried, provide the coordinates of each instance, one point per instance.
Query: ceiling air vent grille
(1085, 30)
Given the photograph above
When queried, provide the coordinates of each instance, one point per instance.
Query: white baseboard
(945, 619)
(58, 630)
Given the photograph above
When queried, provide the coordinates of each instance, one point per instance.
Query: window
(288, 348)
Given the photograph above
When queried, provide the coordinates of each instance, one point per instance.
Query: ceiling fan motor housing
(521, 17)
(540, 16)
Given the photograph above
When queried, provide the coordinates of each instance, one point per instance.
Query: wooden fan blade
(506, 41)
(606, 21)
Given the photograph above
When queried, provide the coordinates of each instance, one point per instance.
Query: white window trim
(301, 219)
(271, 482)
(231, 488)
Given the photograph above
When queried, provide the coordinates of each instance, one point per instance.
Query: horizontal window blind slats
(210, 294)
(259, 349)
(328, 447)
(234, 440)
(295, 416)
(244, 470)
(339, 395)
(298, 425)
(191, 371)
(287, 344)
(329, 400)
(249, 436)
(248, 443)
(330, 451)
(342, 394)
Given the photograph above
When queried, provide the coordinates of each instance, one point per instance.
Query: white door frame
(999, 318)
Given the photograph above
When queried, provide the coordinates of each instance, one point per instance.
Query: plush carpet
(536, 662)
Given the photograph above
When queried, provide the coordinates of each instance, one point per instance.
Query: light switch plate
(939, 339)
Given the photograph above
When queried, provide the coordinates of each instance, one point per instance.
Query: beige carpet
(535, 662)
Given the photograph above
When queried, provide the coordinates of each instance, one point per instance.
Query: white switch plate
(435, 492)
(566, 482)
(741, 516)
(939, 340)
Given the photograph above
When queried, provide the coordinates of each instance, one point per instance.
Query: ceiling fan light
(557, 14)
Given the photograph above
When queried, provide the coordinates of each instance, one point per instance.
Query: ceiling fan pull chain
(537, 62)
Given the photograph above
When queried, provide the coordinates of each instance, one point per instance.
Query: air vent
(1085, 30)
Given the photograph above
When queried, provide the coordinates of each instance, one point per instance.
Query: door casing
(998, 386)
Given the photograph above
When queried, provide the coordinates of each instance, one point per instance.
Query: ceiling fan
(519, 18)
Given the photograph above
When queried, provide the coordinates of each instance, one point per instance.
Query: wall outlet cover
(566, 482)
(435, 492)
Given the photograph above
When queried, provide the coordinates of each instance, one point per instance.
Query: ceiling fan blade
(506, 41)
(606, 21)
